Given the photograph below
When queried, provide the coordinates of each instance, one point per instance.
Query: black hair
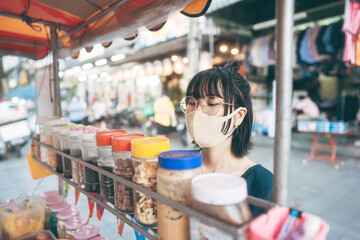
(233, 88)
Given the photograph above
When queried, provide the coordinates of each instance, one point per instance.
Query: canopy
(25, 24)
(22, 92)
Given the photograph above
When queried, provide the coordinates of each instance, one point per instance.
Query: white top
(219, 189)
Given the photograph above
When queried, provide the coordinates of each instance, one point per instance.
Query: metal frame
(235, 232)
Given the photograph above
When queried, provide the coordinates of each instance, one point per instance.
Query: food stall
(65, 28)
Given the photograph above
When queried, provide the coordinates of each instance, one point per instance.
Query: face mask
(206, 130)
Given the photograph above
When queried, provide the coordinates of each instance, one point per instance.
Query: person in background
(164, 116)
(99, 109)
(306, 109)
(219, 118)
(76, 110)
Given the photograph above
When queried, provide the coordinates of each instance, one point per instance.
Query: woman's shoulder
(258, 171)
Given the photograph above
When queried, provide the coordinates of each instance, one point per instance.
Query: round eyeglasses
(209, 105)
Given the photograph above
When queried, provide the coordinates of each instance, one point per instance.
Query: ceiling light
(87, 66)
(93, 76)
(117, 57)
(104, 74)
(101, 62)
(82, 78)
(234, 51)
(223, 48)
(185, 60)
(174, 58)
(271, 23)
(76, 69)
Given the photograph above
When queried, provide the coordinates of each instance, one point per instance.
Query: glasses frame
(183, 101)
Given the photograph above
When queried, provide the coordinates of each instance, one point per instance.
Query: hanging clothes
(351, 29)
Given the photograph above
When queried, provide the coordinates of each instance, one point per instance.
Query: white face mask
(206, 130)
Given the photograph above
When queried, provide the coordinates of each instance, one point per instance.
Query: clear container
(121, 152)
(30, 218)
(90, 155)
(51, 200)
(49, 141)
(63, 216)
(176, 170)
(106, 162)
(74, 224)
(65, 148)
(75, 139)
(56, 143)
(144, 152)
(87, 232)
(222, 196)
(54, 210)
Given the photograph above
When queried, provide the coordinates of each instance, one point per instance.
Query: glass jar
(54, 210)
(74, 224)
(56, 143)
(75, 140)
(106, 162)
(176, 170)
(121, 152)
(90, 155)
(63, 216)
(51, 200)
(222, 196)
(65, 148)
(87, 232)
(144, 152)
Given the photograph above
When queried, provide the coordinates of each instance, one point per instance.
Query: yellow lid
(149, 147)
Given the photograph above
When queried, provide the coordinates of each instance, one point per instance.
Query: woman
(219, 117)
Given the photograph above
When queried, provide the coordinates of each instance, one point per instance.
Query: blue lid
(180, 159)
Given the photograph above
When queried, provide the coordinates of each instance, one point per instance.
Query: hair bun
(232, 66)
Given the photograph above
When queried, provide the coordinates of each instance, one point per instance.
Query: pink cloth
(308, 107)
(351, 28)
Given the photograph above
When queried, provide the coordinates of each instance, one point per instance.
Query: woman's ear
(239, 117)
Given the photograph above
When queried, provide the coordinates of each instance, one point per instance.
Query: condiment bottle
(74, 224)
(90, 155)
(63, 216)
(121, 152)
(106, 162)
(144, 153)
(176, 170)
(65, 148)
(87, 232)
(51, 200)
(75, 140)
(222, 196)
(56, 143)
(55, 209)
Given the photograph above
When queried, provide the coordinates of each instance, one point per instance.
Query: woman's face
(210, 105)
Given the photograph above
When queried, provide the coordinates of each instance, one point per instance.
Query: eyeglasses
(209, 105)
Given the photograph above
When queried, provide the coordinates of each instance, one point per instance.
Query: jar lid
(65, 129)
(103, 138)
(86, 232)
(48, 194)
(58, 207)
(180, 159)
(149, 147)
(219, 189)
(76, 222)
(68, 213)
(100, 238)
(54, 199)
(122, 142)
(75, 132)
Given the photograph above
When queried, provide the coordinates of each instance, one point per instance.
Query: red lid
(103, 138)
(122, 142)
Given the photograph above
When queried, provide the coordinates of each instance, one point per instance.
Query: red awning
(25, 24)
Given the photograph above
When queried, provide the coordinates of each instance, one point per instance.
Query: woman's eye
(191, 103)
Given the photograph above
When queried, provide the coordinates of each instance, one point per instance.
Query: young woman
(219, 118)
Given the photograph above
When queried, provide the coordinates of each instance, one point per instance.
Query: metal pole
(284, 41)
(56, 86)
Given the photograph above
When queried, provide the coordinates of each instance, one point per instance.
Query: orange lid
(122, 142)
(103, 138)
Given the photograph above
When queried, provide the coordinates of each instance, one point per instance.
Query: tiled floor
(320, 189)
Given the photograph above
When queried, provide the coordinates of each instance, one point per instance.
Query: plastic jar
(74, 224)
(176, 170)
(65, 148)
(54, 210)
(90, 155)
(144, 152)
(51, 200)
(106, 162)
(75, 140)
(63, 216)
(87, 232)
(222, 196)
(121, 152)
(56, 143)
